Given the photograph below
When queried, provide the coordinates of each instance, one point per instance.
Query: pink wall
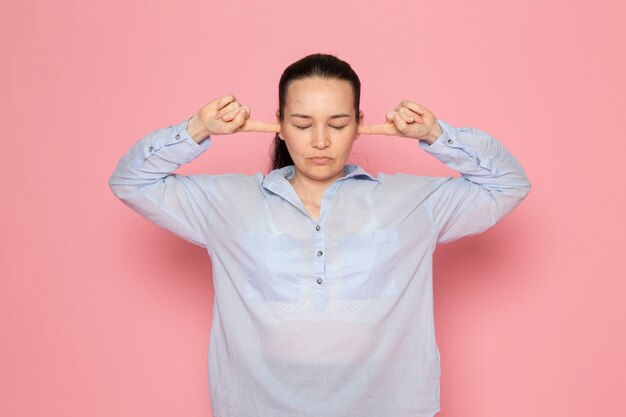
(104, 314)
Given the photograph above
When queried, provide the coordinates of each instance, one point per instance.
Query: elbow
(520, 192)
(116, 189)
(521, 185)
(525, 189)
(505, 202)
(122, 192)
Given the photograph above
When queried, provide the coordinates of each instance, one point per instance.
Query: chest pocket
(368, 264)
(271, 266)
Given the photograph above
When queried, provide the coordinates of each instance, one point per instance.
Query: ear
(278, 121)
(361, 119)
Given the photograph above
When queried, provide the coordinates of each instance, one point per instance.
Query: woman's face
(319, 127)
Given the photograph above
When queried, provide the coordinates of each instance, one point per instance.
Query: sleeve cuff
(457, 146)
(182, 134)
(180, 145)
(172, 143)
(447, 137)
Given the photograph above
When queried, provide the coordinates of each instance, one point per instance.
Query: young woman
(322, 272)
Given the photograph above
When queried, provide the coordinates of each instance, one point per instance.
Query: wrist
(434, 134)
(196, 130)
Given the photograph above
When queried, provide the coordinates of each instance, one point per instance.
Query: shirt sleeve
(491, 185)
(144, 180)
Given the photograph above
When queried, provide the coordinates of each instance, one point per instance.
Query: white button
(317, 227)
(320, 253)
(450, 141)
(478, 160)
(177, 137)
(319, 280)
(150, 149)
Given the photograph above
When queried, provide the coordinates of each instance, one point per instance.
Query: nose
(320, 139)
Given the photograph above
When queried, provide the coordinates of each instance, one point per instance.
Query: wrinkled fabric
(331, 318)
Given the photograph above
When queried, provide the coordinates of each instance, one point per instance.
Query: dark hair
(313, 65)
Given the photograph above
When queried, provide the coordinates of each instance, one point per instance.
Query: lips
(321, 160)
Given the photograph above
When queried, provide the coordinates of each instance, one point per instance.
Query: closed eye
(306, 127)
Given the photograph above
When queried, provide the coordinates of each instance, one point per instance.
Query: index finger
(381, 129)
(256, 126)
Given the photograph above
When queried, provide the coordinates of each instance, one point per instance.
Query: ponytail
(280, 154)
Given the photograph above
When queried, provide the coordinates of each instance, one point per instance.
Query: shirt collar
(278, 179)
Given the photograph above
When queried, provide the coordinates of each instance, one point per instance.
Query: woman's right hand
(224, 116)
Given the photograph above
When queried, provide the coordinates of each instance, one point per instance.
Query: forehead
(319, 96)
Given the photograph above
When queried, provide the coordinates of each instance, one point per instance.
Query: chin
(324, 174)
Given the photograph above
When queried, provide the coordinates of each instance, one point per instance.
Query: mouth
(320, 160)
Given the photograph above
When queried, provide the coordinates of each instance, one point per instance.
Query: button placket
(319, 291)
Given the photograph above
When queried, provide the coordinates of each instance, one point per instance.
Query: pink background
(105, 314)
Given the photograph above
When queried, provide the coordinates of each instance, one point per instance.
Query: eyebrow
(306, 116)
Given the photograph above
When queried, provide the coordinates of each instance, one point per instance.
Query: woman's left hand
(410, 120)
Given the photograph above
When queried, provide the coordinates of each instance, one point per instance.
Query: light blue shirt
(328, 319)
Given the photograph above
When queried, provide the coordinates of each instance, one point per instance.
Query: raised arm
(144, 177)
(492, 181)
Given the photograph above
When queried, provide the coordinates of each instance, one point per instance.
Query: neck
(311, 190)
